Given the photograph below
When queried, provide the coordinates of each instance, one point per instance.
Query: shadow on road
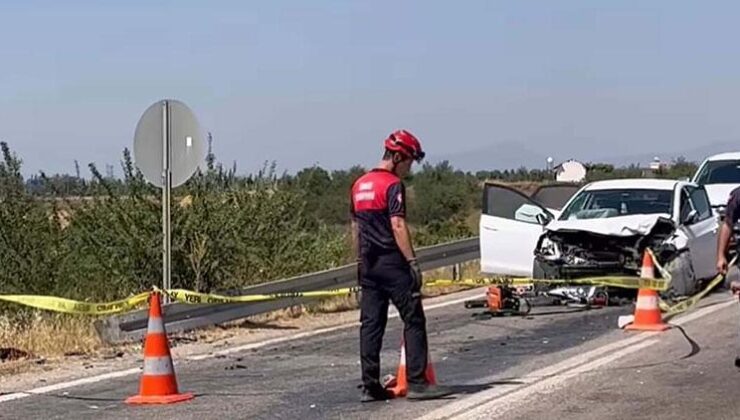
(78, 398)
(472, 389)
(262, 326)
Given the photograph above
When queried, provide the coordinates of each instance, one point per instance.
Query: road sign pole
(169, 149)
(166, 196)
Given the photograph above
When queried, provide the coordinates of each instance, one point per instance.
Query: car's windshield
(601, 204)
(719, 172)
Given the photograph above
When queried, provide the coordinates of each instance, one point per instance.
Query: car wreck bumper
(559, 270)
(573, 254)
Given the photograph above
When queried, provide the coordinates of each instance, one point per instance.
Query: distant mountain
(512, 155)
(696, 154)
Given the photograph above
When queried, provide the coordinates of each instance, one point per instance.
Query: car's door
(700, 225)
(510, 226)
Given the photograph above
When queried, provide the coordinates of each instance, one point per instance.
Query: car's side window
(700, 201)
(693, 198)
(554, 196)
(507, 203)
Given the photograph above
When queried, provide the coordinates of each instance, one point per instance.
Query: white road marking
(510, 401)
(485, 403)
(65, 385)
(113, 375)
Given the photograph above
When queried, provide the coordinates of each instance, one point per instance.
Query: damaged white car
(602, 229)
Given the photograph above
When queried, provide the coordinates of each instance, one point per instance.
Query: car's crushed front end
(568, 253)
(609, 247)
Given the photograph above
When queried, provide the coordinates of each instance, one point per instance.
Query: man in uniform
(732, 214)
(388, 269)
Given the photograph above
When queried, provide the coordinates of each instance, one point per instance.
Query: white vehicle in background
(602, 230)
(719, 174)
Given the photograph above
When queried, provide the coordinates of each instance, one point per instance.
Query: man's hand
(416, 275)
(723, 242)
(722, 264)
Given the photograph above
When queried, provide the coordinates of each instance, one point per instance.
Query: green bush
(29, 235)
(228, 232)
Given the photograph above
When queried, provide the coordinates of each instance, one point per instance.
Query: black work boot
(428, 392)
(375, 393)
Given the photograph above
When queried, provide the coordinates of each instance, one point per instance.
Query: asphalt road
(557, 363)
(662, 381)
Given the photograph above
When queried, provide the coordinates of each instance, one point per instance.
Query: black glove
(416, 276)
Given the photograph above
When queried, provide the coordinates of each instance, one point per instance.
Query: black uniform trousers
(387, 278)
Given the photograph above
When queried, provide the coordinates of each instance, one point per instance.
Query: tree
(682, 168)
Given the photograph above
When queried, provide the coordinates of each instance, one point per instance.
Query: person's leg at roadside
(373, 319)
(414, 336)
(411, 311)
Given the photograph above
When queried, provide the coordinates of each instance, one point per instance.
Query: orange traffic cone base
(647, 327)
(160, 399)
(398, 386)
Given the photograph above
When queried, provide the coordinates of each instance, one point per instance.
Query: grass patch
(37, 334)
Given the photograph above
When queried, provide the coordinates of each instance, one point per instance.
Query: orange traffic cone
(158, 383)
(401, 384)
(647, 312)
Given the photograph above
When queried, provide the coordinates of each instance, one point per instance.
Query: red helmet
(403, 142)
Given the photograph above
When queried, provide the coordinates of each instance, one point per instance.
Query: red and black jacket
(376, 197)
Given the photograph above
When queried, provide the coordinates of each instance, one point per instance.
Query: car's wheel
(683, 279)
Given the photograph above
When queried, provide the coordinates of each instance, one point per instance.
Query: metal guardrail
(181, 317)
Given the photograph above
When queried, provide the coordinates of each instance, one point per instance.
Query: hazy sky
(304, 82)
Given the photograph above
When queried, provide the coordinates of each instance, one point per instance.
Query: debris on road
(501, 300)
(625, 320)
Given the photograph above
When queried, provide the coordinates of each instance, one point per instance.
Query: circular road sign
(187, 149)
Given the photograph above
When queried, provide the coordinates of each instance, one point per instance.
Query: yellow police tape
(693, 300)
(69, 306)
(195, 298)
(621, 282)
(690, 302)
(624, 282)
